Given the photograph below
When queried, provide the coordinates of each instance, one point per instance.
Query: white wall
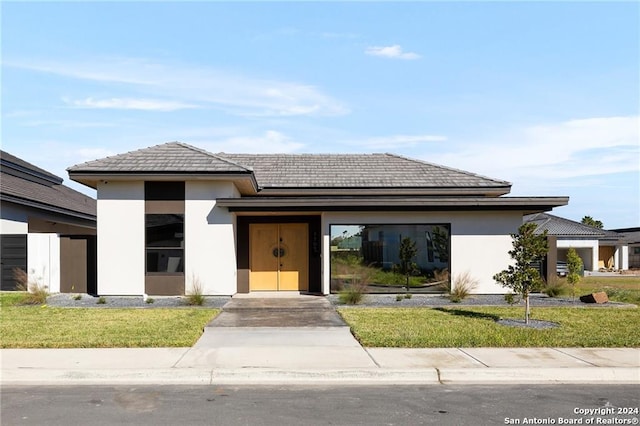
(480, 241)
(121, 238)
(210, 242)
(591, 247)
(43, 260)
(621, 258)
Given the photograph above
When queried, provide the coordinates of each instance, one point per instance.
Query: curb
(559, 375)
(257, 376)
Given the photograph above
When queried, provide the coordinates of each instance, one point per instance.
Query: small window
(165, 243)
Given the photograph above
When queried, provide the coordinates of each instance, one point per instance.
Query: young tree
(523, 277)
(588, 220)
(408, 252)
(574, 266)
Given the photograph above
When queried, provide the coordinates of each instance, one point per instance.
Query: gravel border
(536, 300)
(67, 300)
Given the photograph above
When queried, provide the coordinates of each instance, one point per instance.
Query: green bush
(556, 288)
(350, 295)
(101, 300)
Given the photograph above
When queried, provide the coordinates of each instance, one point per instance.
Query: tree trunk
(526, 310)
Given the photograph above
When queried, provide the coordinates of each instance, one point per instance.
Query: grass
(476, 327)
(45, 327)
(619, 289)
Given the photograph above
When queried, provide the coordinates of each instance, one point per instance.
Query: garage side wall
(121, 238)
(480, 241)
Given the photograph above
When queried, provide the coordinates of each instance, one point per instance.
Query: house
(598, 248)
(173, 217)
(46, 229)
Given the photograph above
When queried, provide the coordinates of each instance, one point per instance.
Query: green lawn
(619, 289)
(45, 327)
(476, 327)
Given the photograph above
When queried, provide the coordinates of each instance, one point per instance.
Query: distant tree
(588, 220)
(523, 276)
(408, 251)
(574, 266)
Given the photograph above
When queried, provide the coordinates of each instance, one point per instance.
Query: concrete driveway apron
(294, 333)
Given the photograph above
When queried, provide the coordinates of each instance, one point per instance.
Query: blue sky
(544, 95)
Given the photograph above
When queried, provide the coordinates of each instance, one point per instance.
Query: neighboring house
(173, 216)
(46, 229)
(598, 248)
(632, 237)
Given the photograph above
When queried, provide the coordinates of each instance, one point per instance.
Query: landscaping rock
(600, 297)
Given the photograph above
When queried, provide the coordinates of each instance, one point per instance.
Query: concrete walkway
(304, 341)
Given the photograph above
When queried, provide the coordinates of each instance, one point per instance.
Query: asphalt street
(317, 405)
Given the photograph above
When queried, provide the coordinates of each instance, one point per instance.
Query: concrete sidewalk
(261, 360)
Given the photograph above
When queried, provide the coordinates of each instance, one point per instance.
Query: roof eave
(525, 204)
(91, 179)
(48, 207)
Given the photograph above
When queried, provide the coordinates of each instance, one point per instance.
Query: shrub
(408, 296)
(77, 297)
(555, 288)
(510, 298)
(399, 297)
(462, 285)
(35, 293)
(351, 295)
(195, 297)
(101, 300)
(149, 300)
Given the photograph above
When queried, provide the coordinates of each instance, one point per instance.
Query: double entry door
(278, 257)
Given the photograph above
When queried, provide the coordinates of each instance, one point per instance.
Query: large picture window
(165, 243)
(370, 255)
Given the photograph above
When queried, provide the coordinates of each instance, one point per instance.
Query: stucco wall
(480, 241)
(210, 253)
(43, 260)
(121, 238)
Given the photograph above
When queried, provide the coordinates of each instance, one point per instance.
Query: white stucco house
(173, 216)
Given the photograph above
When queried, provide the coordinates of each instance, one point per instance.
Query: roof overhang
(527, 205)
(246, 182)
(82, 218)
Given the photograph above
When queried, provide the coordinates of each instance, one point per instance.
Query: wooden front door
(278, 257)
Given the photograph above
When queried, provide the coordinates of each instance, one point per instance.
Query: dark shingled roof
(562, 227)
(169, 157)
(23, 183)
(356, 171)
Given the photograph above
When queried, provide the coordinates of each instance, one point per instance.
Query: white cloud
(395, 142)
(129, 103)
(394, 51)
(181, 84)
(549, 153)
(268, 143)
